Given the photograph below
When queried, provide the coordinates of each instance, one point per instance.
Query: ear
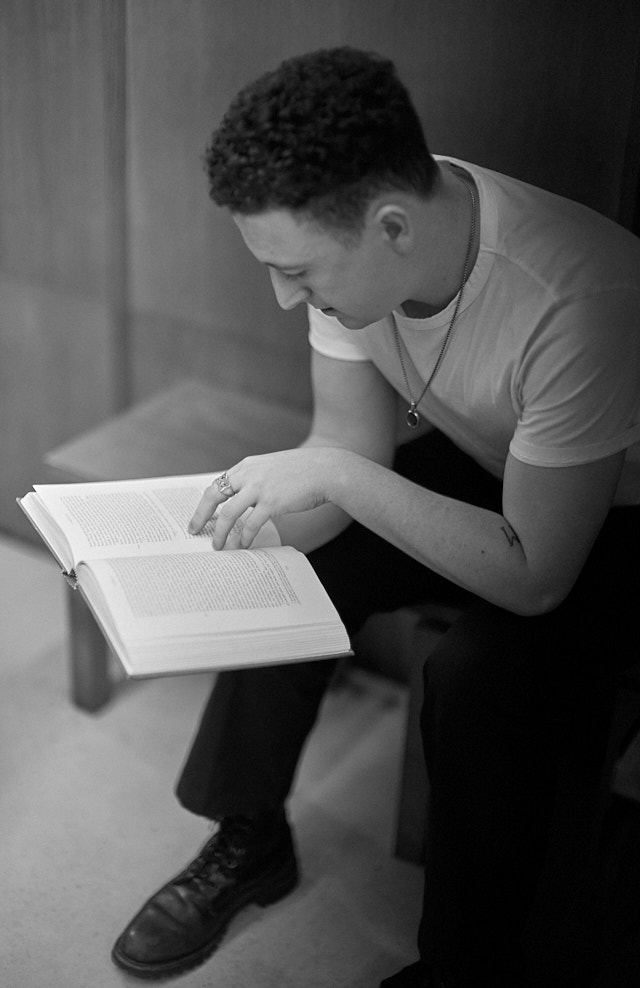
(395, 224)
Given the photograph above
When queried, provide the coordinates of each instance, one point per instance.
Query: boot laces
(221, 855)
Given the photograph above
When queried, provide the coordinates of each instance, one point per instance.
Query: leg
(515, 727)
(252, 731)
(244, 757)
(240, 770)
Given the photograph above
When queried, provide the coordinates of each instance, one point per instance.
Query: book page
(156, 596)
(188, 612)
(153, 587)
(47, 529)
(141, 517)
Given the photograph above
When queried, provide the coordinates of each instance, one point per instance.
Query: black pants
(515, 724)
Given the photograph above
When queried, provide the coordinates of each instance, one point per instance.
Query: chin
(353, 322)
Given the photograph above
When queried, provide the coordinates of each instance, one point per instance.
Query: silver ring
(224, 485)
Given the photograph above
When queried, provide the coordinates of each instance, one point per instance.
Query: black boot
(248, 859)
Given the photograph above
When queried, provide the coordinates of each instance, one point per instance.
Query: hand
(271, 485)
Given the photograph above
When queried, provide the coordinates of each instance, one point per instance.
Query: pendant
(413, 419)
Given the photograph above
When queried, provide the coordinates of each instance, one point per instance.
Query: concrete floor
(89, 825)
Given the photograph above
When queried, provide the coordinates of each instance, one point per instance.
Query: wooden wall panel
(51, 166)
(59, 368)
(542, 90)
(54, 351)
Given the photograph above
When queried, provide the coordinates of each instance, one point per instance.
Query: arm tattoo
(510, 535)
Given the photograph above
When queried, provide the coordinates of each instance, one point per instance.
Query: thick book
(167, 601)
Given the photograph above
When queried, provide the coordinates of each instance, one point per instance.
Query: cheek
(355, 284)
(372, 285)
(355, 280)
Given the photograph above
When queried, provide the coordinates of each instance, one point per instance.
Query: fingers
(226, 510)
(227, 513)
(252, 521)
(239, 515)
(230, 522)
(242, 533)
(206, 507)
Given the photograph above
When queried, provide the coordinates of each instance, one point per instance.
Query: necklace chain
(413, 416)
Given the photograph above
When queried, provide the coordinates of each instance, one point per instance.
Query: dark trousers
(515, 724)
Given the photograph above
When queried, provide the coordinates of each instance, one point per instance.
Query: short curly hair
(321, 134)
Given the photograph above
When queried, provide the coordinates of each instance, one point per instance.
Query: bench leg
(411, 821)
(90, 685)
(434, 619)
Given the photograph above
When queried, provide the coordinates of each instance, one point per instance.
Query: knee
(491, 655)
(474, 674)
(449, 673)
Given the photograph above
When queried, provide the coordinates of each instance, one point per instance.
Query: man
(509, 319)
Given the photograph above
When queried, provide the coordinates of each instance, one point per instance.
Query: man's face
(351, 281)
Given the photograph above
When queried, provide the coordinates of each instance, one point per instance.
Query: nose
(288, 293)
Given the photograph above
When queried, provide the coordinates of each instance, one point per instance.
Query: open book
(168, 602)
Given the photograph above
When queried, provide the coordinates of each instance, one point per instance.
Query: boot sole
(261, 894)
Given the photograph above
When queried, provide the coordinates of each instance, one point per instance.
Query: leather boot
(248, 860)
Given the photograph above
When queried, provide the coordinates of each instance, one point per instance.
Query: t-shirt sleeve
(331, 339)
(578, 388)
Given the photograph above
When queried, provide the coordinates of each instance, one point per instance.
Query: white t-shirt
(544, 357)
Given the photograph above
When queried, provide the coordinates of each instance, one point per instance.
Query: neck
(448, 232)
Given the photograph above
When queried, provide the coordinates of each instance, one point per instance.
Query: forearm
(474, 548)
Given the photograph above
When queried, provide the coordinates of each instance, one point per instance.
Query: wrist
(339, 474)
